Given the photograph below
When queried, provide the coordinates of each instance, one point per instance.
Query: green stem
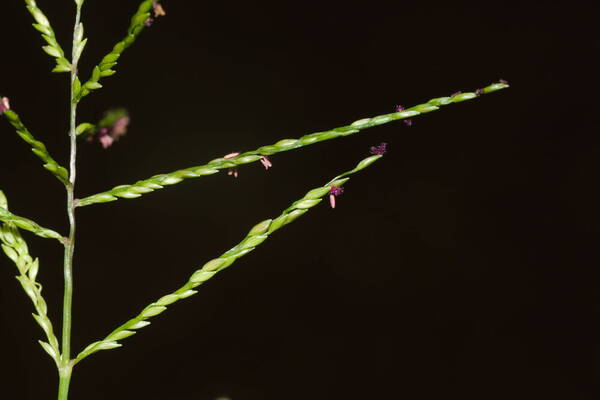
(63, 385)
(69, 249)
(66, 366)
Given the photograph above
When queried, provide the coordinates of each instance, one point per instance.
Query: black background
(462, 265)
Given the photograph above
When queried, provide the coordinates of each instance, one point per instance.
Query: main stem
(66, 366)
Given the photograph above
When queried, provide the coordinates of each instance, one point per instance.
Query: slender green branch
(16, 249)
(158, 181)
(37, 147)
(255, 237)
(29, 225)
(53, 48)
(104, 68)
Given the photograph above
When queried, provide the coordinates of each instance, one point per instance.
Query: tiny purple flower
(148, 22)
(108, 135)
(104, 138)
(264, 160)
(503, 81)
(232, 171)
(4, 104)
(120, 127)
(379, 150)
(407, 122)
(159, 11)
(231, 155)
(336, 190)
(333, 192)
(479, 92)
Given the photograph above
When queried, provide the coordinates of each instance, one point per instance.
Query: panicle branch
(16, 249)
(38, 147)
(53, 48)
(139, 21)
(159, 181)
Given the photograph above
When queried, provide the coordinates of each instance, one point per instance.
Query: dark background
(463, 265)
